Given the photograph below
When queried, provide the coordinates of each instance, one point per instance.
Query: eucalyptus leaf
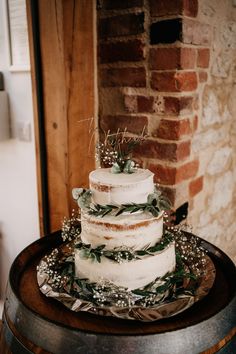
(165, 204)
(116, 168)
(129, 166)
(158, 192)
(162, 288)
(84, 253)
(100, 248)
(153, 197)
(141, 253)
(141, 292)
(120, 211)
(98, 257)
(134, 210)
(76, 192)
(93, 257)
(84, 199)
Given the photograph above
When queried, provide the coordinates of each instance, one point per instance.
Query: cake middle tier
(133, 274)
(131, 230)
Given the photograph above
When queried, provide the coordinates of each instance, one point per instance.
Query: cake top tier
(105, 176)
(111, 188)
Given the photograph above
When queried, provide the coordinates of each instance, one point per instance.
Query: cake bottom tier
(133, 274)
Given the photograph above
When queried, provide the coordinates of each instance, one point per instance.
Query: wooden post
(66, 64)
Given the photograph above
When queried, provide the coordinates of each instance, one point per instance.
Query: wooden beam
(66, 32)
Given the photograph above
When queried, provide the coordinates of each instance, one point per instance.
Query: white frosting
(132, 275)
(121, 188)
(132, 230)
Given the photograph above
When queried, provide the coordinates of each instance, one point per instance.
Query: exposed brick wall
(153, 78)
(156, 65)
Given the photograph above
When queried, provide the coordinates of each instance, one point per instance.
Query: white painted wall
(18, 191)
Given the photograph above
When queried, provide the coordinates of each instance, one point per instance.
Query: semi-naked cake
(133, 229)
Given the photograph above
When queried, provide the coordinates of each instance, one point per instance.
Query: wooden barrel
(33, 323)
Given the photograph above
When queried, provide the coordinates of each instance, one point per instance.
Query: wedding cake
(122, 239)
(121, 254)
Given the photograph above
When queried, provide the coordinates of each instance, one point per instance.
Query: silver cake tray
(166, 305)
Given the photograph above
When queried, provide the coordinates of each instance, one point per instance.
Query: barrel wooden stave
(59, 340)
(46, 325)
(14, 343)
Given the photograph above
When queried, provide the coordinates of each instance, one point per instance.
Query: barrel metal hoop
(75, 341)
(229, 347)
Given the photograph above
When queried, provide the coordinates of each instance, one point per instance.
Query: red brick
(163, 7)
(132, 50)
(185, 30)
(139, 104)
(166, 31)
(131, 77)
(130, 103)
(145, 104)
(122, 25)
(178, 193)
(178, 105)
(183, 150)
(164, 151)
(174, 7)
(168, 175)
(187, 171)
(202, 76)
(190, 8)
(133, 124)
(203, 58)
(173, 129)
(195, 186)
(163, 174)
(174, 81)
(194, 32)
(187, 58)
(117, 4)
(164, 58)
(186, 81)
(172, 58)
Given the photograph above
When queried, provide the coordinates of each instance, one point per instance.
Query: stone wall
(169, 67)
(213, 213)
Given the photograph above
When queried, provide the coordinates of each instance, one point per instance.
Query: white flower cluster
(106, 154)
(71, 227)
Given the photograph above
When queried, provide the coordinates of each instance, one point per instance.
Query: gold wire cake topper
(116, 150)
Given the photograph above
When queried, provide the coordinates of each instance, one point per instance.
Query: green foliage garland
(121, 255)
(162, 289)
(156, 202)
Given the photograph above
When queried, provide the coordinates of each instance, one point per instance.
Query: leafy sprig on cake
(181, 282)
(116, 150)
(156, 202)
(122, 254)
